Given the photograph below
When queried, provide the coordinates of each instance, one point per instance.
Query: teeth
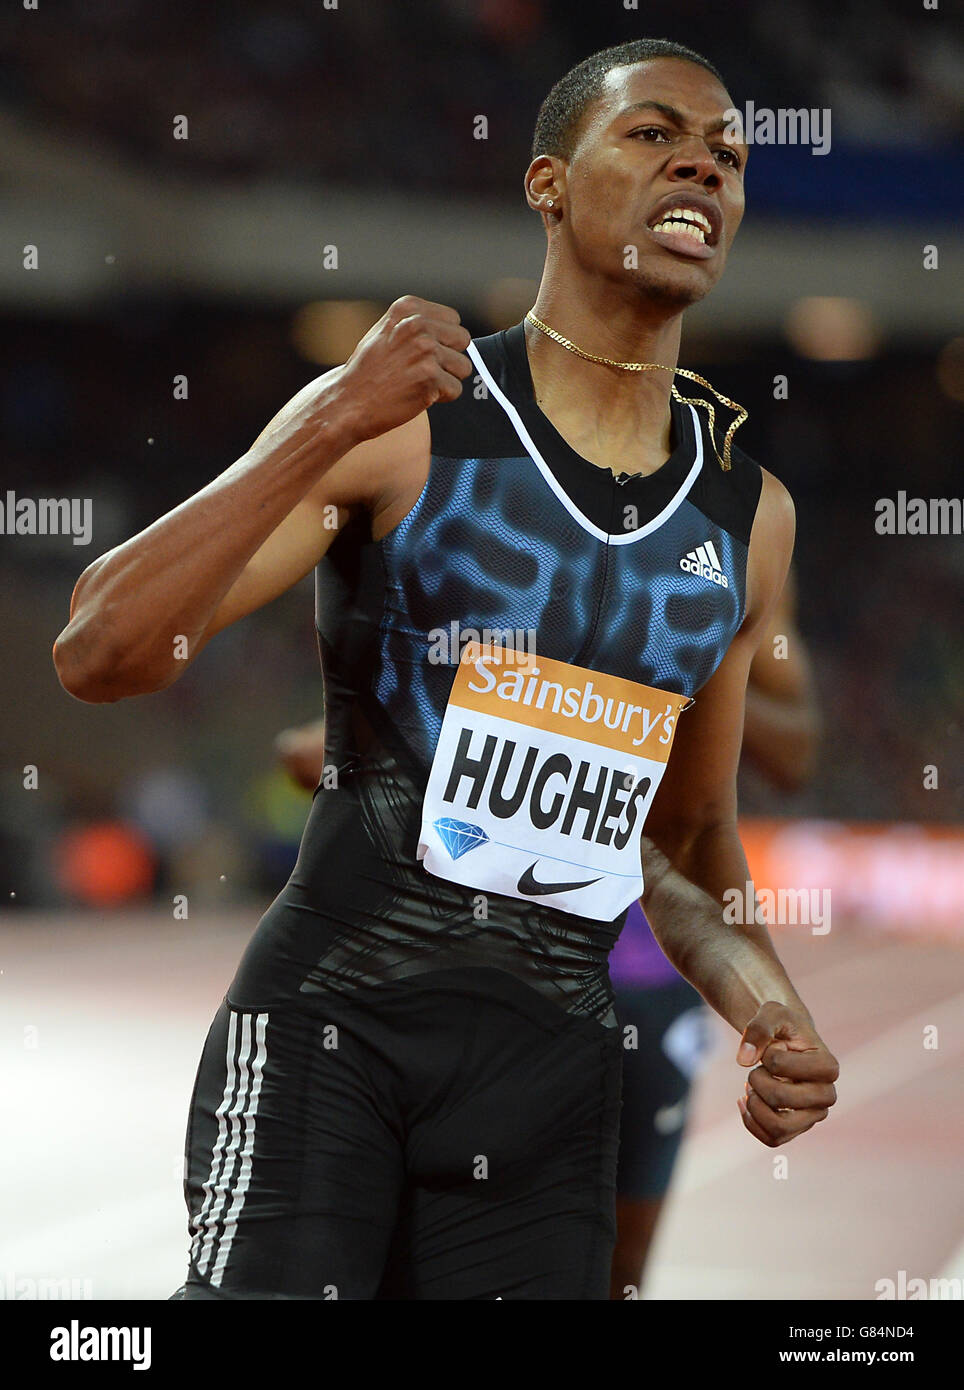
(691, 215)
(686, 228)
(686, 219)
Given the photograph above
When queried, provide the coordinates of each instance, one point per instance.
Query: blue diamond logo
(458, 836)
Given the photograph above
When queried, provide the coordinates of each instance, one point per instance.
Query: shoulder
(776, 514)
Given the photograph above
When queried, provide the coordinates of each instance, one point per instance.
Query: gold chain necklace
(741, 414)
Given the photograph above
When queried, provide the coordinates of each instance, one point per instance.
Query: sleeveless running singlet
(498, 826)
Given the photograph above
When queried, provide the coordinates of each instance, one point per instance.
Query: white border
(564, 498)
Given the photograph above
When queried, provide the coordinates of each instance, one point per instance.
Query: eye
(729, 157)
(651, 132)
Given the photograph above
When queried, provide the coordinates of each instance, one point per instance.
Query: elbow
(74, 650)
(96, 657)
(69, 672)
(95, 674)
(80, 677)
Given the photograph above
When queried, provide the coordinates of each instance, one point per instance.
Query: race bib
(542, 779)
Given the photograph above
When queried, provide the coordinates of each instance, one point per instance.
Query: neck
(609, 410)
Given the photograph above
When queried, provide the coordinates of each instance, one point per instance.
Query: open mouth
(694, 224)
(686, 229)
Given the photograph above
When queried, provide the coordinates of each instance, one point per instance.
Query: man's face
(651, 159)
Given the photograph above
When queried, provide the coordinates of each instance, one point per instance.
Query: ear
(545, 178)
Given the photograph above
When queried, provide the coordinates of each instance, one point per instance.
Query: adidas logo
(705, 562)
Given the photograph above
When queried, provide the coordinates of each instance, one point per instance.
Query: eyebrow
(672, 113)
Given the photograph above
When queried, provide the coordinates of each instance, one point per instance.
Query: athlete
(411, 1089)
(671, 1035)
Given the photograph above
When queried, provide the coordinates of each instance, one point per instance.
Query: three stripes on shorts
(214, 1228)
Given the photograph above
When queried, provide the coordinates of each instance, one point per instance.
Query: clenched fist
(412, 357)
(792, 1089)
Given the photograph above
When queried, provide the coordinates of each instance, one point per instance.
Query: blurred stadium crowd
(272, 89)
(186, 782)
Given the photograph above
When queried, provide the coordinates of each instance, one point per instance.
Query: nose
(694, 162)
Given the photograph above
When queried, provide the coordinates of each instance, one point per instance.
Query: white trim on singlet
(622, 539)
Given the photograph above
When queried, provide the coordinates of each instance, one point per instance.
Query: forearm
(139, 608)
(732, 964)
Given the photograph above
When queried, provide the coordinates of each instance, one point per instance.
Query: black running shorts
(451, 1136)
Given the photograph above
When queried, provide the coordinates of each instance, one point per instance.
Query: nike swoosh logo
(528, 884)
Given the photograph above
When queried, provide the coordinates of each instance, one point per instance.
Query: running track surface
(102, 1018)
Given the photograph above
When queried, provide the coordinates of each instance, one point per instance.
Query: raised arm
(143, 611)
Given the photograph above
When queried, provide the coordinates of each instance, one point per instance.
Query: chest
(489, 544)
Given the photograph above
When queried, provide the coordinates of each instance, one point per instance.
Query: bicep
(290, 552)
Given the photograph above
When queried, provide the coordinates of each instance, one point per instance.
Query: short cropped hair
(557, 124)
